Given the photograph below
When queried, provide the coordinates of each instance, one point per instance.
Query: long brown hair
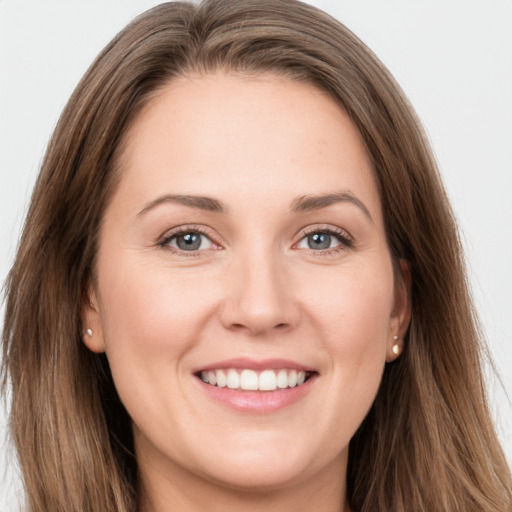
(427, 444)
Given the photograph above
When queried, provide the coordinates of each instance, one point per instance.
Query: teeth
(249, 380)
(233, 379)
(212, 378)
(292, 378)
(221, 379)
(268, 380)
(282, 379)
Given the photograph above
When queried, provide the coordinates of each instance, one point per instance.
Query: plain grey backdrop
(453, 58)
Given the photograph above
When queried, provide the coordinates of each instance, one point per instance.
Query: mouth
(246, 379)
(256, 386)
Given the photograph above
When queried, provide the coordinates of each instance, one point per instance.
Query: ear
(92, 330)
(401, 315)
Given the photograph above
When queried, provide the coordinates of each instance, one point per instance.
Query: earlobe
(397, 348)
(401, 312)
(92, 332)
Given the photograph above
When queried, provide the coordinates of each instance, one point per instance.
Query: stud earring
(397, 350)
(89, 333)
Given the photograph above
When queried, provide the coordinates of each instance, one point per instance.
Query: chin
(267, 467)
(257, 477)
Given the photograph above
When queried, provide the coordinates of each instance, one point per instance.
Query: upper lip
(255, 364)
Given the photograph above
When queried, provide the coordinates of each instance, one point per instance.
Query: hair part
(427, 444)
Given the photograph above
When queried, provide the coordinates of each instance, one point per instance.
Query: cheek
(355, 307)
(353, 320)
(151, 315)
(152, 318)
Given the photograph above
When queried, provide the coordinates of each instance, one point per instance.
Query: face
(244, 292)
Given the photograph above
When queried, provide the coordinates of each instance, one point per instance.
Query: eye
(318, 241)
(325, 240)
(188, 241)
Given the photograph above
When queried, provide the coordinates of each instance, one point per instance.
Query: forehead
(223, 133)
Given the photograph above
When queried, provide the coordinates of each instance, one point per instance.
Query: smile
(256, 386)
(251, 380)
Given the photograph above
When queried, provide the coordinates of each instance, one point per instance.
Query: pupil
(319, 241)
(189, 241)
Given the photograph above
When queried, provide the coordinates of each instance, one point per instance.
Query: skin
(255, 288)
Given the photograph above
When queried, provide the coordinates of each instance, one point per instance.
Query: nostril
(256, 329)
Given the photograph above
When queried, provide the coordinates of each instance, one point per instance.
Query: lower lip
(258, 402)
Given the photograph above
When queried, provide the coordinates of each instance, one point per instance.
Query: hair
(428, 442)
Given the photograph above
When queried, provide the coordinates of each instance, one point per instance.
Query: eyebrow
(200, 202)
(311, 202)
(300, 204)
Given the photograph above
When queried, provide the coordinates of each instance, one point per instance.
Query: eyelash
(345, 240)
(184, 230)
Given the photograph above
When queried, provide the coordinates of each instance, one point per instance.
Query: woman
(240, 284)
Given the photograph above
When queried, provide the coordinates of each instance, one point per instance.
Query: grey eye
(191, 241)
(319, 241)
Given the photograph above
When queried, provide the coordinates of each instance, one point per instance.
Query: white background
(452, 57)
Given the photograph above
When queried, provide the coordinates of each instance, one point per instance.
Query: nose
(259, 297)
